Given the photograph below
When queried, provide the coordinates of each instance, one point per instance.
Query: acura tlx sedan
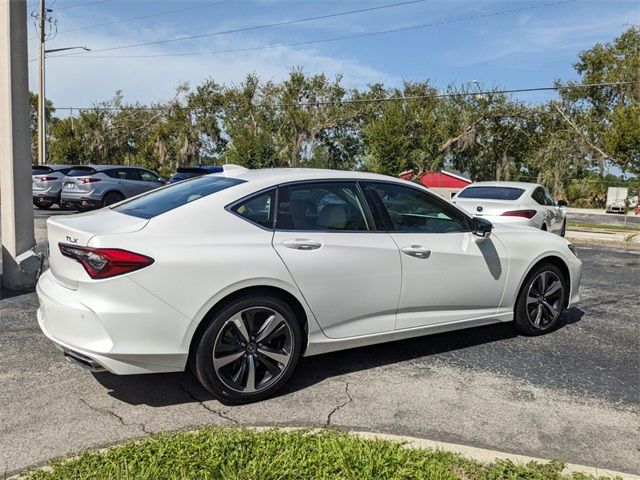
(238, 274)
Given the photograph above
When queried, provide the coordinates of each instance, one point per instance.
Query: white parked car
(514, 202)
(238, 274)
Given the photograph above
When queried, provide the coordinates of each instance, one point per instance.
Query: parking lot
(572, 394)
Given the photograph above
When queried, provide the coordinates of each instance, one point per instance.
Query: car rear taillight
(105, 262)
(520, 213)
(46, 179)
(90, 180)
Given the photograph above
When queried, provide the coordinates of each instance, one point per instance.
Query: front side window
(147, 176)
(412, 210)
(162, 200)
(258, 209)
(326, 206)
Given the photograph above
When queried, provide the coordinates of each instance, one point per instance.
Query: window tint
(321, 206)
(39, 170)
(412, 210)
(124, 174)
(183, 176)
(81, 172)
(538, 196)
(492, 193)
(258, 209)
(162, 200)
(147, 176)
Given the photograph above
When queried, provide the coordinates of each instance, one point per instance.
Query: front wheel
(541, 300)
(249, 350)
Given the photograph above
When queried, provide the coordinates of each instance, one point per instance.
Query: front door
(448, 273)
(348, 273)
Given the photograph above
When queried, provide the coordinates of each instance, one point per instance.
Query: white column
(16, 206)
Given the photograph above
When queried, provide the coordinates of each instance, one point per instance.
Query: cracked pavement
(572, 394)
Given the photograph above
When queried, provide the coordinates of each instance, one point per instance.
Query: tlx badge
(72, 240)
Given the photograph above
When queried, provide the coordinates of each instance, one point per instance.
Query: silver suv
(96, 186)
(46, 184)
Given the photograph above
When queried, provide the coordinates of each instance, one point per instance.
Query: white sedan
(514, 202)
(239, 274)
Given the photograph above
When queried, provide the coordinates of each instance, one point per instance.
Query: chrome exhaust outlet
(83, 361)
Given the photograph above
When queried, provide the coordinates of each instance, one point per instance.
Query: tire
(111, 198)
(534, 313)
(544, 227)
(563, 231)
(43, 204)
(234, 363)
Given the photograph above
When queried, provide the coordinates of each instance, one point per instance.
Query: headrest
(332, 216)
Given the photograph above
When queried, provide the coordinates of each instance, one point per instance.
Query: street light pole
(41, 97)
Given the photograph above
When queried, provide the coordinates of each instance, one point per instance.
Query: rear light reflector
(105, 262)
(46, 179)
(520, 213)
(90, 180)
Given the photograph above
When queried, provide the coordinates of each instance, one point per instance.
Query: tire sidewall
(203, 363)
(521, 318)
(118, 198)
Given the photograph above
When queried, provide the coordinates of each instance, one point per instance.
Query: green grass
(602, 226)
(235, 454)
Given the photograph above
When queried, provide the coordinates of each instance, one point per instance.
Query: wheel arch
(548, 259)
(271, 290)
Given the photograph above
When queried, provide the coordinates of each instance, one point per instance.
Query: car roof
(277, 175)
(524, 185)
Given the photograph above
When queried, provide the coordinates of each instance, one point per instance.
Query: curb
(590, 241)
(478, 454)
(486, 456)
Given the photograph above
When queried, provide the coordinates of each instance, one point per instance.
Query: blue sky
(527, 47)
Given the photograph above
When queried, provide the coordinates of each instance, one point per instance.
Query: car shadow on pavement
(159, 390)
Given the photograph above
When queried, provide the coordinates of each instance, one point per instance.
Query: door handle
(417, 251)
(302, 244)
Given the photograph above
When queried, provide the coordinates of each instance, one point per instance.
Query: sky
(506, 43)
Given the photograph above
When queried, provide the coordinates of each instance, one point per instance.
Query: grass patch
(602, 227)
(239, 454)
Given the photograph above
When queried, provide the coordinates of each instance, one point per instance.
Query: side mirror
(562, 203)
(481, 227)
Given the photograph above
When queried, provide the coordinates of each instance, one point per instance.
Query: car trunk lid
(486, 207)
(79, 230)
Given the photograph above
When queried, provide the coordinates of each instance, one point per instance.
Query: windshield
(492, 193)
(160, 201)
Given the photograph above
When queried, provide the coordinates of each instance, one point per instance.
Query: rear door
(552, 217)
(348, 272)
(447, 275)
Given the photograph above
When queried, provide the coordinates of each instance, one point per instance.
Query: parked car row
(94, 186)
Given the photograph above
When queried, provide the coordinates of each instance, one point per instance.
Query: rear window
(81, 172)
(184, 175)
(39, 170)
(492, 193)
(160, 201)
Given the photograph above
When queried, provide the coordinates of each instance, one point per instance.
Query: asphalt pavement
(572, 394)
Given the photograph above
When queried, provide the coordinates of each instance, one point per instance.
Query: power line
(82, 4)
(269, 25)
(325, 40)
(383, 99)
(140, 17)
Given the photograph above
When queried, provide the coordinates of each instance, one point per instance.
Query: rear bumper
(112, 325)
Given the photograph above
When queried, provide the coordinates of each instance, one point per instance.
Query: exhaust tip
(83, 361)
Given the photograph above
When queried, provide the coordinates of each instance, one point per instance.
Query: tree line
(568, 143)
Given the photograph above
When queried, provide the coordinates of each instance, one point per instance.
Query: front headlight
(573, 249)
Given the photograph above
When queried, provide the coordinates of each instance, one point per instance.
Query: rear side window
(81, 172)
(492, 193)
(322, 206)
(162, 200)
(258, 209)
(124, 174)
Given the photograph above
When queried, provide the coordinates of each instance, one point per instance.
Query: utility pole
(42, 125)
(19, 263)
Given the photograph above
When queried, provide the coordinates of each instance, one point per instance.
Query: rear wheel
(43, 204)
(541, 300)
(111, 198)
(249, 350)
